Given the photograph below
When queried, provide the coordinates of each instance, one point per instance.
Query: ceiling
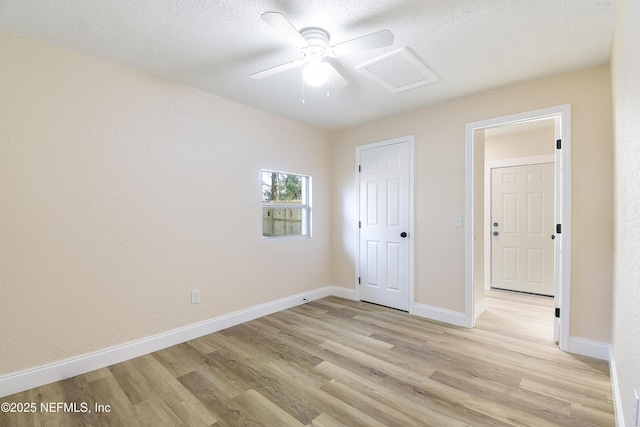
(214, 45)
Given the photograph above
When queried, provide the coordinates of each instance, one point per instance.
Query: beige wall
(625, 65)
(121, 192)
(439, 191)
(521, 144)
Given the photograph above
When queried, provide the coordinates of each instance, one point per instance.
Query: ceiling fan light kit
(316, 74)
(313, 43)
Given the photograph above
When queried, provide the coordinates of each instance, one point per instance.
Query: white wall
(625, 66)
(121, 192)
(440, 192)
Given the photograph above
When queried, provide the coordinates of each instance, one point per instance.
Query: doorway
(478, 232)
(385, 211)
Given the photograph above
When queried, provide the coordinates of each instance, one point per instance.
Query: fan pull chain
(304, 91)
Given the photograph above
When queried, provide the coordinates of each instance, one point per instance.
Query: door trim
(562, 116)
(492, 164)
(404, 139)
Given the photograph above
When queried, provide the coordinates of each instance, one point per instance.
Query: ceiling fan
(314, 45)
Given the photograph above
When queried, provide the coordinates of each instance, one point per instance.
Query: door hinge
(359, 168)
(359, 224)
(358, 280)
(558, 312)
(558, 228)
(559, 144)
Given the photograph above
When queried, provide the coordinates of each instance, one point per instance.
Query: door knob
(403, 234)
(495, 224)
(495, 233)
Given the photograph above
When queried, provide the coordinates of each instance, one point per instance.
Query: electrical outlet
(636, 408)
(195, 296)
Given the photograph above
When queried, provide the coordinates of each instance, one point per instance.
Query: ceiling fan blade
(279, 23)
(370, 41)
(336, 80)
(277, 69)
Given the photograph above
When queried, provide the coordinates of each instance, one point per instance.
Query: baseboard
(441, 315)
(479, 309)
(345, 293)
(595, 349)
(25, 380)
(615, 390)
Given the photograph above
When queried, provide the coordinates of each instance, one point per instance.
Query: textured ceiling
(471, 45)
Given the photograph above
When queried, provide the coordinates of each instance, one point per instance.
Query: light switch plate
(636, 408)
(457, 220)
(195, 296)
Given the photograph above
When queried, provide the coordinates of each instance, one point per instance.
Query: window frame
(304, 207)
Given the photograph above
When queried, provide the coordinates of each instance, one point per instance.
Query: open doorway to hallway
(518, 194)
(519, 207)
(518, 231)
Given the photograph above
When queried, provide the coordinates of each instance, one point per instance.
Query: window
(286, 207)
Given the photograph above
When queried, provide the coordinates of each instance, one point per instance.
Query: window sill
(269, 239)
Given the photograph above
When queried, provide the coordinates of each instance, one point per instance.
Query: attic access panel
(397, 71)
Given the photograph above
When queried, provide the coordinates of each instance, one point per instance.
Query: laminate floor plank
(276, 346)
(376, 386)
(377, 408)
(180, 359)
(284, 374)
(154, 411)
(134, 384)
(227, 410)
(597, 400)
(529, 402)
(97, 374)
(271, 386)
(185, 405)
(263, 411)
(401, 369)
(325, 402)
(324, 420)
(419, 378)
(328, 326)
(513, 365)
(107, 391)
(335, 363)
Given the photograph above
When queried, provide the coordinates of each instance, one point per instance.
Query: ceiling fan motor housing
(318, 40)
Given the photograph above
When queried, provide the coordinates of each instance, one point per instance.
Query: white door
(522, 223)
(384, 225)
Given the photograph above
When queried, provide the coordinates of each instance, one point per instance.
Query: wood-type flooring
(334, 362)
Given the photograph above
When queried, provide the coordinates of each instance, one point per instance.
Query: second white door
(522, 226)
(384, 225)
